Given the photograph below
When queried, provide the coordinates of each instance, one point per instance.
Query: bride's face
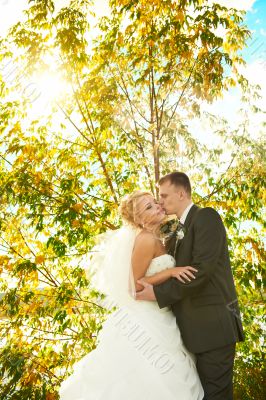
(149, 212)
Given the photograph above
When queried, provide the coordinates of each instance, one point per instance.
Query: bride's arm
(159, 277)
(142, 255)
(183, 274)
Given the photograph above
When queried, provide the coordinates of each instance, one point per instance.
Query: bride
(140, 354)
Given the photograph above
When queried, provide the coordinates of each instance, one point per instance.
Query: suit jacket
(206, 308)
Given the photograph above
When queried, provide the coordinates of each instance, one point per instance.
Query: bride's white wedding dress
(140, 356)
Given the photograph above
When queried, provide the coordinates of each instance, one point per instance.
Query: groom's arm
(209, 241)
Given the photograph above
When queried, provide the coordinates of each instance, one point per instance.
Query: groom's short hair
(177, 179)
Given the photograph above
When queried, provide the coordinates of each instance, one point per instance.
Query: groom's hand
(147, 293)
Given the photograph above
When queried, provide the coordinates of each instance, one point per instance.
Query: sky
(11, 11)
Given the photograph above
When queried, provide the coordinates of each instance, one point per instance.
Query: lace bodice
(160, 263)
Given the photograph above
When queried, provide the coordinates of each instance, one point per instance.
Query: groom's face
(171, 198)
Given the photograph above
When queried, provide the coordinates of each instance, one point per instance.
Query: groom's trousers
(215, 370)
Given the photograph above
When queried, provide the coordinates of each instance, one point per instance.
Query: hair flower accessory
(172, 228)
(168, 229)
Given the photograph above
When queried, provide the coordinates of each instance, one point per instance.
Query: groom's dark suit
(206, 308)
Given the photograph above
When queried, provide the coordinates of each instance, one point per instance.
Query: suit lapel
(170, 246)
(176, 246)
(190, 216)
(188, 222)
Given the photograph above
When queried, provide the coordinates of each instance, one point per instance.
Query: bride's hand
(140, 286)
(182, 273)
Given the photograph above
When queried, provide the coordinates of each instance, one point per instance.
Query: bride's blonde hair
(129, 211)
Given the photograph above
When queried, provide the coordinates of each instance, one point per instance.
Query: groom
(206, 308)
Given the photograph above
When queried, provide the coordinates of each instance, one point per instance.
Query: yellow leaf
(50, 396)
(180, 16)
(78, 207)
(39, 259)
(75, 223)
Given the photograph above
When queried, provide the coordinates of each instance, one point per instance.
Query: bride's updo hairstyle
(129, 210)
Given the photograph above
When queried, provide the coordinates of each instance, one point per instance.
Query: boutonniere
(172, 228)
(180, 233)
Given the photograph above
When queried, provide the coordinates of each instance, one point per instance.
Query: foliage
(131, 94)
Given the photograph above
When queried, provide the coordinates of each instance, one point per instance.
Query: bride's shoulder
(145, 239)
(145, 235)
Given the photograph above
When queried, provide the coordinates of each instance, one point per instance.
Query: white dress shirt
(185, 213)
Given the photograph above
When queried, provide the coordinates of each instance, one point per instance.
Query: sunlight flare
(44, 92)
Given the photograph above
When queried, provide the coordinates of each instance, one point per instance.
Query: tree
(131, 94)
